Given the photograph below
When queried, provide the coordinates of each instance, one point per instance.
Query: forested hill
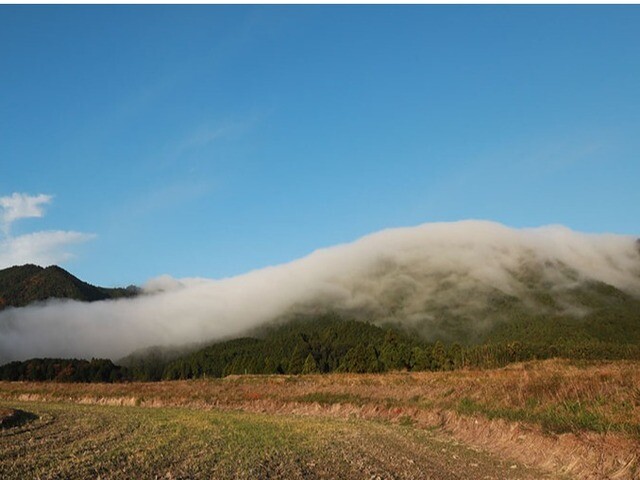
(330, 343)
(21, 285)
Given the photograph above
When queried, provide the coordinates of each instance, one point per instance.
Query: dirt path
(90, 441)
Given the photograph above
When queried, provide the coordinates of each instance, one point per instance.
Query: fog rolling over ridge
(419, 276)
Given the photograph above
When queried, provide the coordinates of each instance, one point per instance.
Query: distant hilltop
(25, 284)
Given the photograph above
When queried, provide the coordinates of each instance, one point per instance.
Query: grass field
(549, 419)
(90, 441)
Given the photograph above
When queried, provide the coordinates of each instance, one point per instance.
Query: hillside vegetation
(64, 370)
(25, 284)
(330, 343)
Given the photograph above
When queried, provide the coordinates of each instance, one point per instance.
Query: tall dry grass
(577, 418)
(609, 390)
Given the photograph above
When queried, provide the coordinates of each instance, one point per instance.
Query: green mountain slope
(541, 303)
(329, 343)
(311, 344)
(22, 285)
(456, 323)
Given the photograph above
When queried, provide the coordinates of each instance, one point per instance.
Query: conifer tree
(438, 356)
(310, 365)
(296, 362)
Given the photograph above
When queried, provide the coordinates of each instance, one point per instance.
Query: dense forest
(64, 370)
(331, 344)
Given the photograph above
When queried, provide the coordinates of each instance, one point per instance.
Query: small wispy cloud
(173, 195)
(204, 137)
(21, 205)
(43, 247)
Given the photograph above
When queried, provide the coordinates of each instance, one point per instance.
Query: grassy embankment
(581, 419)
(560, 396)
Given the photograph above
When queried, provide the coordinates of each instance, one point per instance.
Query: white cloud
(41, 248)
(163, 283)
(431, 267)
(21, 205)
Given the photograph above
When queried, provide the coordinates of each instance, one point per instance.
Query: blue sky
(213, 140)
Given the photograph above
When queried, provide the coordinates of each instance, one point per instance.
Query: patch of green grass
(406, 421)
(326, 398)
(555, 418)
(571, 417)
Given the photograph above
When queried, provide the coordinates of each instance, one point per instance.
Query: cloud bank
(43, 247)
(408, 274)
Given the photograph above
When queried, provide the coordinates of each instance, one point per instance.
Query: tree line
(64, 370)
(321, 345)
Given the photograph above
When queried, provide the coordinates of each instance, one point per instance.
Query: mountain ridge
(22, 285)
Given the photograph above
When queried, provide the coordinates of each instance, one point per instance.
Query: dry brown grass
(579, 419)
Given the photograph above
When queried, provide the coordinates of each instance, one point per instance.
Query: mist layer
(411, 275)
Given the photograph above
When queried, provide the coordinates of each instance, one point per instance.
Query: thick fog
(404, 273)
